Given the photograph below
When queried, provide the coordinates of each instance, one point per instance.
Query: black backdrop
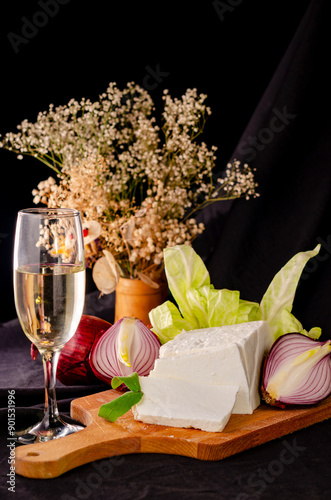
(263, 67)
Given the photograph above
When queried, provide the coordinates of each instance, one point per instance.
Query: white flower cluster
(140, 181)
(237, 181)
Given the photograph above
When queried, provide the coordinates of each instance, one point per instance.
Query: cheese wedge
(182, 403)
(227, 355)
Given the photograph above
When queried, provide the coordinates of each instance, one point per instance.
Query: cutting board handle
(98, 440)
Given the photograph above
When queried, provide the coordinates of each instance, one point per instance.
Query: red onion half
(297, 371)
(128, 346)
(73, 367)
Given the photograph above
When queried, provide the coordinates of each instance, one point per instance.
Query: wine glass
(49, 288)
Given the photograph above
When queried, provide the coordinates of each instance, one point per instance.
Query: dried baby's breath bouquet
(137, 184)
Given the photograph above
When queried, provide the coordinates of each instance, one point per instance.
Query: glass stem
(51, 412)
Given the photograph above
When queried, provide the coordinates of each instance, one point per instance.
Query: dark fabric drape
(245, 244)
(287, 140)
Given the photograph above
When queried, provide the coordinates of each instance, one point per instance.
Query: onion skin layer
(73, 366)
(284, 355)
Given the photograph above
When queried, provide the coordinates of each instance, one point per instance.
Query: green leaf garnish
(131, 381)
(121, 405)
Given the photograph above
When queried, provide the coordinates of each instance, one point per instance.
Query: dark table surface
(296, 465)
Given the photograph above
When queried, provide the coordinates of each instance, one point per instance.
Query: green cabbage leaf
(277, 302)
(200, 305)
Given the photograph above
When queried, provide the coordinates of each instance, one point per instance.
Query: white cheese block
(224, 355)
(182, 403)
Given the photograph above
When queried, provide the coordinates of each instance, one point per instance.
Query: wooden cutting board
(103, 439)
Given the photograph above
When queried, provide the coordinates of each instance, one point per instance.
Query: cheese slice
(182, 403)
(227, 355)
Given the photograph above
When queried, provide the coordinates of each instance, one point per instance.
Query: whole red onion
(73, 366)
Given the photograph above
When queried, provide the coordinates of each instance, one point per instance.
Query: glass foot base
(46, 431)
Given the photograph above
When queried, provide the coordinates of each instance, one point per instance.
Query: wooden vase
(135, 298)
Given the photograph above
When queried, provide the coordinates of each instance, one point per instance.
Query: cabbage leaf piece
(200, 305)
(277, 302)
(248, 311)
(184, 270)
(168, 322)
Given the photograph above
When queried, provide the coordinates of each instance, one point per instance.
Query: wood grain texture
(103, 439)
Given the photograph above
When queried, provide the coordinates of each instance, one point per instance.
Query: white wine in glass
(49, 288)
